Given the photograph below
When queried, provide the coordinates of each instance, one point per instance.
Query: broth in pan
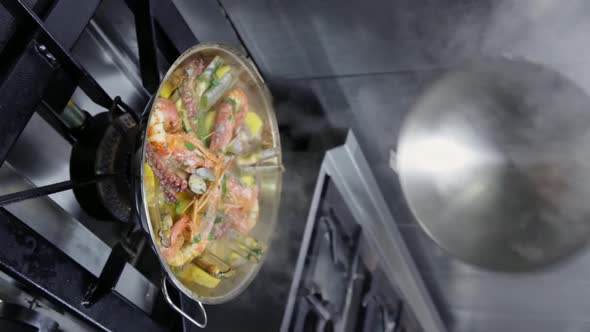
(206, 141)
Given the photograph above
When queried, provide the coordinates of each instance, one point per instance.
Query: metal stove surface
(330, 273)
(80, 248)
(354, 272)
(59, 217)
(342, 286)
(41, 157)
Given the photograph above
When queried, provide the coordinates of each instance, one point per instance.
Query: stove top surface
(354, 272)
(342, 286)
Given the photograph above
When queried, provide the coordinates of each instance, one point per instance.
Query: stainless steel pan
(493, 163)
(269, 184)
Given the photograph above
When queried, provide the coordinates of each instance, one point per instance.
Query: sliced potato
(221, 71)
(254, 124)
(247, 180)
(167, 89)
(191, 272)
(150, 182)
(210, 121)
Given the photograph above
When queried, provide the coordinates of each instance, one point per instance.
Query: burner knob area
(105, 147)
(14, 317)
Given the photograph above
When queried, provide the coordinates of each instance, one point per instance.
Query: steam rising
(549, 32)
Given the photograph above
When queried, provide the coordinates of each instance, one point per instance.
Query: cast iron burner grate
(100, 176)
(100, 165)
(105, 148)
(42, 71)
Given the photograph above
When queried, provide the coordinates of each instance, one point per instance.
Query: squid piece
(168, 178)
(187, 91)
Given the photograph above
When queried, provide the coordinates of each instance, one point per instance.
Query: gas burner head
(104, 148)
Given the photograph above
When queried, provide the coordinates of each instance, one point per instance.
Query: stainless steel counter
(348, 169)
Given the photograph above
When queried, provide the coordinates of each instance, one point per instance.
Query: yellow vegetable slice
(247, 180)
(210, 121)
(191, 272)
(150, 182)
(233, 257)
(221, 71)
(253, 123)
(167, 89)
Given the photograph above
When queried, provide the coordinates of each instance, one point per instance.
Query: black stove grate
(27, 257)
(42, 71)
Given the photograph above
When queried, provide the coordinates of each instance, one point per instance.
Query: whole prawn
(231, 113)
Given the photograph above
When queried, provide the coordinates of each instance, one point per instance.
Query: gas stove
(354, 272)
(70, 100)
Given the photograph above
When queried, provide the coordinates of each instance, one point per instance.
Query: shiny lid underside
(492, 162)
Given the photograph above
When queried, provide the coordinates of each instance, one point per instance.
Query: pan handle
(179, 310)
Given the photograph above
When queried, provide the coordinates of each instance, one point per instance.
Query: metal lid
(492, 162)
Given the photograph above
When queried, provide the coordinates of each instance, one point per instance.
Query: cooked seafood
(192, 71)
(200, 132)
(230, 115)
(241, 208)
